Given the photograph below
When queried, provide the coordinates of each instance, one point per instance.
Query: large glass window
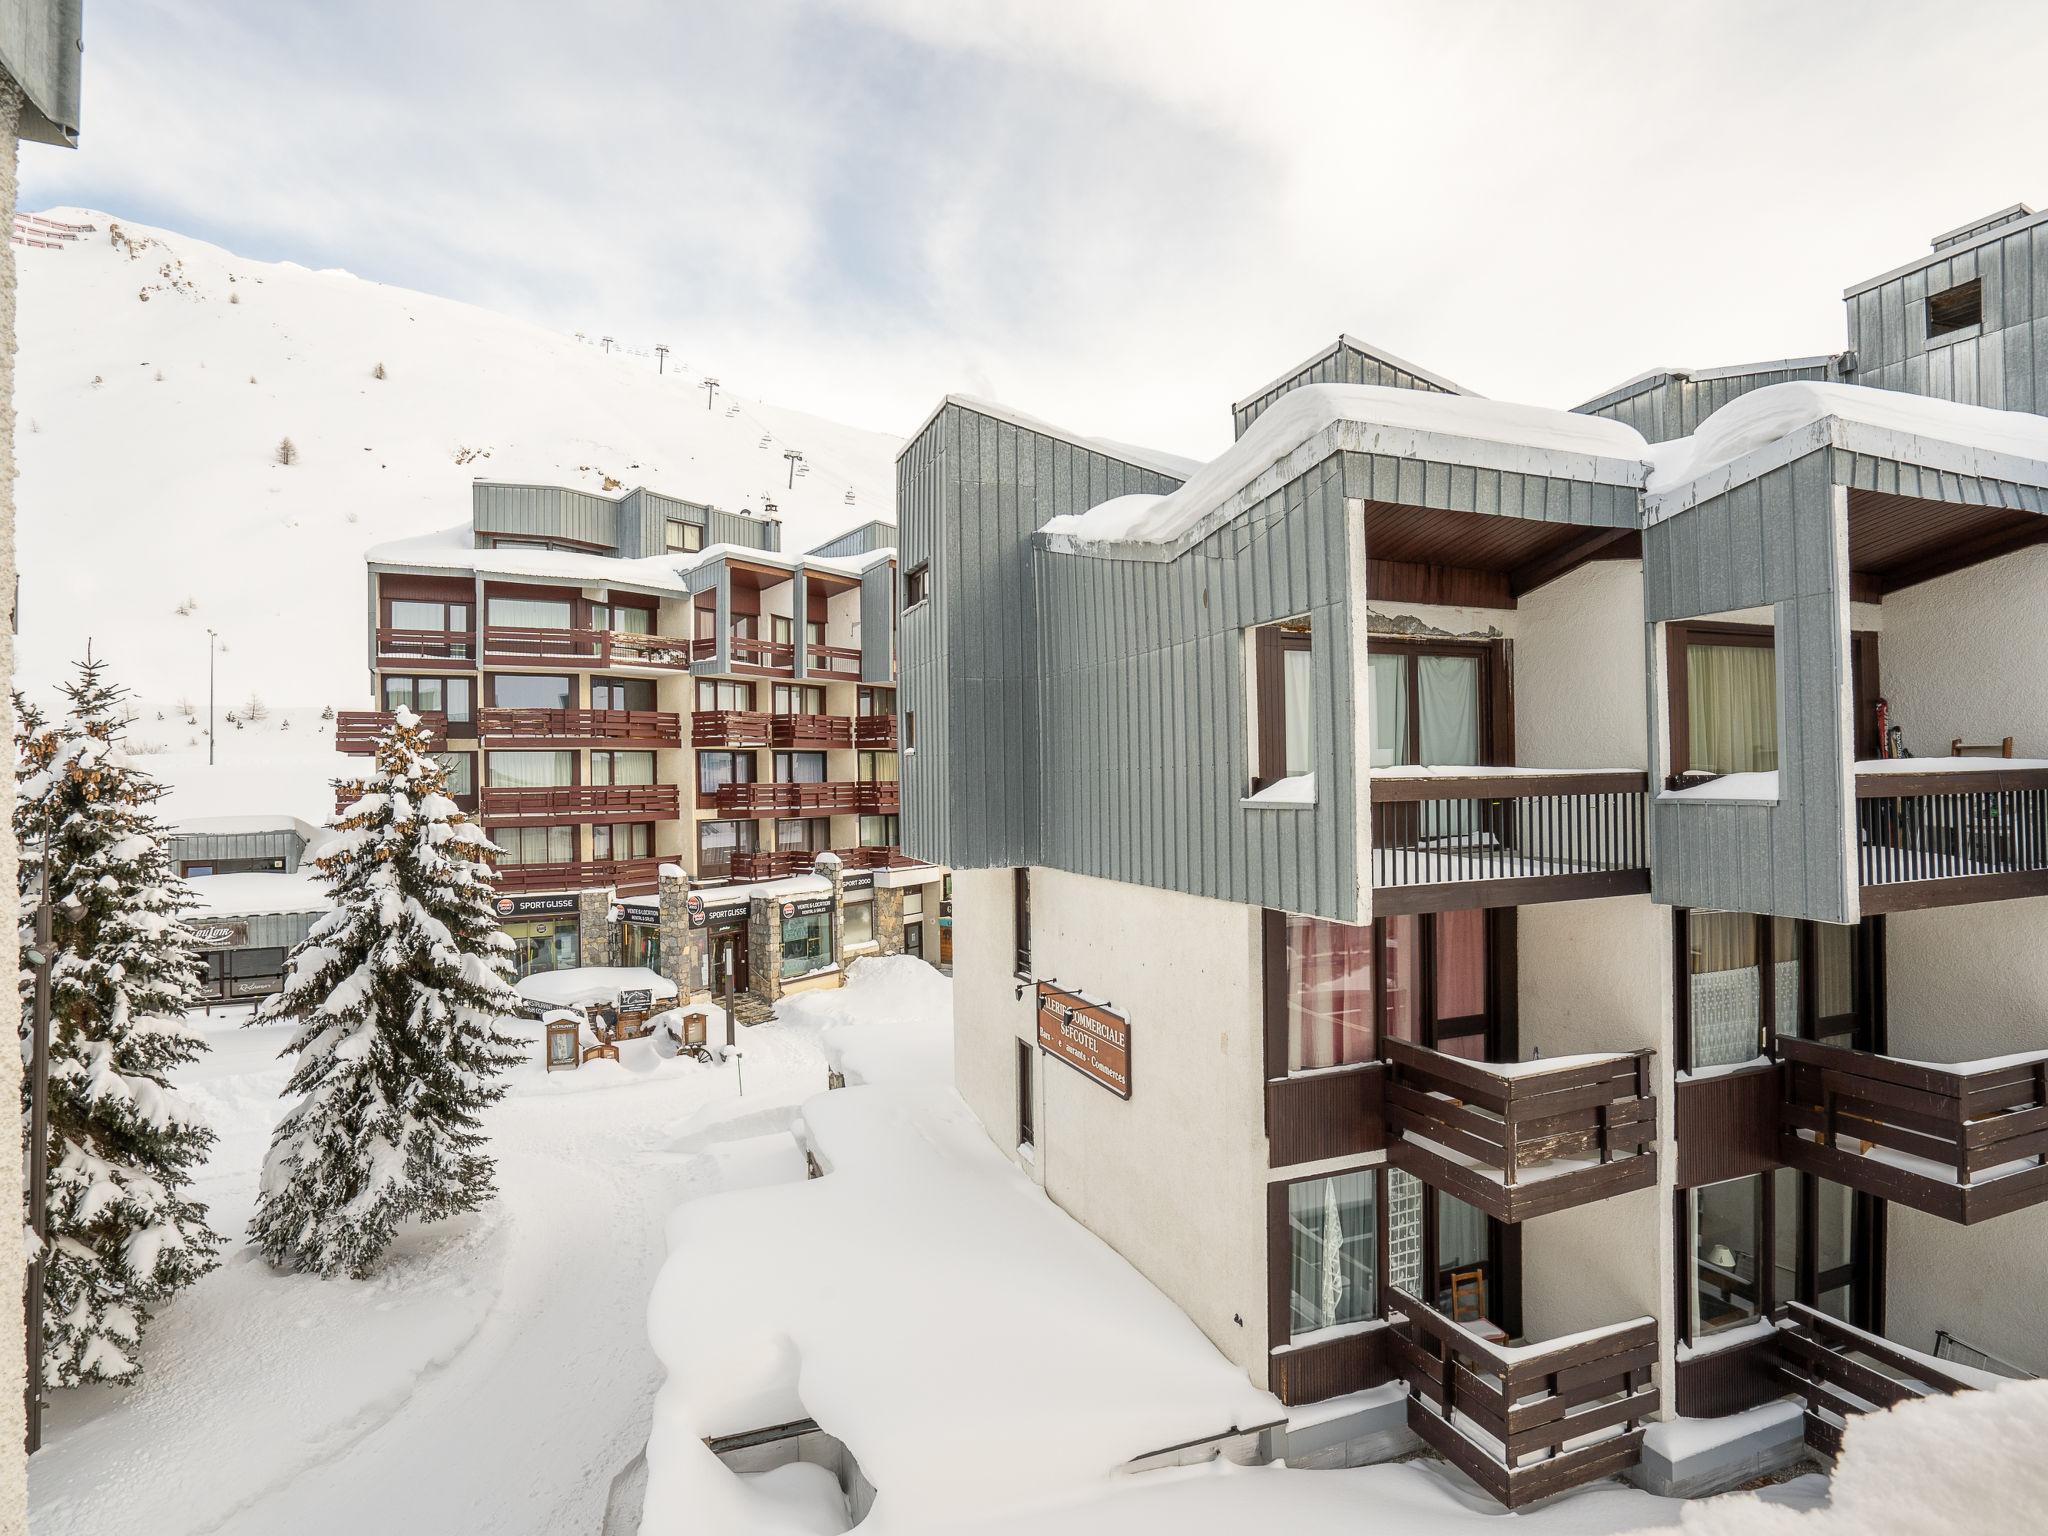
(536, 845)
(622, 693)
(799, 699)
(625, 840)
(876, 701)
(1728, 1232)
(877, 768)
(879, 832)
(640, 944)
(1731, 706)
(857, 924)
(416, 613)
(1333, 1252)
(1329, 993)
(529, 770)
(430, 695)
(1282, 683)
(546, 945)
(1724, 984)
(713, 695)
(717, 842)
(461, 770)
(802, 834)
(684, 538)
(799, 767)
(715, 769)
(622, 767)
(529, 612)
(622, 618)
(521, 690)
(806, 944)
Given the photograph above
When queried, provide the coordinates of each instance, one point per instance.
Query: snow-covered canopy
(591, 984)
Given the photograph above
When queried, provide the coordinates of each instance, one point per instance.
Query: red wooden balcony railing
(818, 732)
(356, 730)
(882, 856)
(545, 727)
(738, 728)
(579, 802)
(346, 795)
(833, 660)
(518, 645)
(767, 799)
(437, 646)
(875, 732)
(729, 728)
(775, 864)
(878, 798)
(631, 877)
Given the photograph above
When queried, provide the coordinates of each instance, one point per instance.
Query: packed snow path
(494, 1377)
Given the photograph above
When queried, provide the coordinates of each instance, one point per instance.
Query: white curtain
(1448, 690)
(1298, 699)
(530, 770)
(622, 767)
(529, 612)
(1334, 1251)
(1732, 708)
(1389, 709)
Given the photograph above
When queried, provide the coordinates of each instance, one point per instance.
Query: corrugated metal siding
(2003, 364)
(1779, 540)
(878, 623)
(1674, 404)
(205, 847)
(545, 511)
(1345, 364)
(876, 533)
(924, 676)
(749, 532)
(275, 930)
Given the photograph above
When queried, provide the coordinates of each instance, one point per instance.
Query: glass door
(1434, 988)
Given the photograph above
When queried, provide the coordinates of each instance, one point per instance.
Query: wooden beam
(1967, 552)
(1566, 558)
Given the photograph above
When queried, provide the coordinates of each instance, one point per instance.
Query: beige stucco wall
(1982, 1283)
(1579, 695)
(1968, 981)
(1963, 656)
(1173, 1178)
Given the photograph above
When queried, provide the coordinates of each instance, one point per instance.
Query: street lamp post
(211, 638)
(39, 1153)
(661, 357)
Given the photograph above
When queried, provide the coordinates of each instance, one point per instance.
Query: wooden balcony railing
(580, 802)
(519, 645)
(346, 795)
(1965, 1142)
(832, 660)
(880, 856)
(879, 798)
(1505, 1416)
(356, 730)
(875, 733)
(1842, 1371)
(624, 648)
(820, 733)
(776, 863)
(782, 799)
(729, 728)
(438, 648)
(1941, 836)
(1501, 837)
(550, 727)
(1523, 1139)
(631, 877)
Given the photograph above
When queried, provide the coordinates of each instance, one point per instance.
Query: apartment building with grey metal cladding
(1347, 360)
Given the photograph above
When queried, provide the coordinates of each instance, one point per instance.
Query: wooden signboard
(636, 1000)
(1093, 1040)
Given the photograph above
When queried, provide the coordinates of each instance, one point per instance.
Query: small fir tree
(397, 993)
(123, 1235)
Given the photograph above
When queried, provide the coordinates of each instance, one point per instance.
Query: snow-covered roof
(1378, 354)
(1636, 384)
(255, 895)
(578, 985)
(455, 549)
(1307, 424)
(1171, 465)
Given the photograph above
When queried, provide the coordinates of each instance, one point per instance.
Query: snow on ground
(891, 1022)
(494, 1376)
(158, 376)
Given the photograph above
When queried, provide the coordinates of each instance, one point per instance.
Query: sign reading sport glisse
(1093, 1040)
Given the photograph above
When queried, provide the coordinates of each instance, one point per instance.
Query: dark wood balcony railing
(1519, 1140)
(548, 727)
(729, 728)
(879, 856)
(580, 802)
(820, 733)
(518, 645)
(1936, 837)
(776, 863)
(438, 648)
(346, 795)
(875, 732)
(749, 655)
(1505, 1416)
(832, 660)
(631, 877)
(356, 730)
(781, 799)
(624, 648)
(879, 798)
(1842, 1371)
(1498, 837)
(1965, 1142)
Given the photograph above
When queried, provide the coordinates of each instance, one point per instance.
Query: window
(685, 538)
(461, 770)
(724, 696)
(857, 924)
(917, 584)
(1743, 977)
(806, 944)
(520, 690)
(1956, 309)
(622, 618)
(450, 696)
(878, 832)
(1327, 977)
(798, 699)
(535, 845)
(640, 944)
(1026, 1130)
(799, 767)
(1429, 704)
(545, 945)
(1724, 699)
(261, 864)
(1727, 1258)
(782, 631)
(717, 842)
(529, 770)
(1286, 723)
(1333, 1253)
(622, 767)
(1020, 903)
(529, 612)
(1757, 1242)
(630, 840)
(910, 730)
(802, 834)
(913, 901)
(876, 701)
(715, 769)
(429, 613)
(621, 693)
(877, 768)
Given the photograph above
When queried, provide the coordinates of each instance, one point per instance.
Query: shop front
(807, 937)
(544, 930)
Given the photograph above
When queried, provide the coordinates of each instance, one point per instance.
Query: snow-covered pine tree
(124, 1237)
(397, 993)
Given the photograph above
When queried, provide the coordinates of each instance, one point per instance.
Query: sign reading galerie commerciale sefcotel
(1092, 1039)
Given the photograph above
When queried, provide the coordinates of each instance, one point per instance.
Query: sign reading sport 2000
(1095, 1041)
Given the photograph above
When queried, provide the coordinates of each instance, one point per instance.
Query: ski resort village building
(1525, 922)
(682, 739)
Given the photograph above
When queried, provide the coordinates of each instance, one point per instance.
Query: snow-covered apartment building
(1449, 901)
(663, 722)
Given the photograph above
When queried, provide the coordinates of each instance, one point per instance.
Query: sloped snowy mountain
(159, 376)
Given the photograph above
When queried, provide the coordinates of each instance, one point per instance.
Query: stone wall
(889, 920)
(682, 946)
(764, 948)
(597, 934)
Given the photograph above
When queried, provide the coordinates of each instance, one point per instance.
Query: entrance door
(913, 939)
(1436, 981)
(728, 948)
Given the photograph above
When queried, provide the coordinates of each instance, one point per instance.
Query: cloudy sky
(1117, 214)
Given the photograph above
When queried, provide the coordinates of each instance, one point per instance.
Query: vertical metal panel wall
(207, 847)
(878, 621)
(971, 489)
(735, 528)
(2001, 363)
(1344, 363)
(1669, 405)
(876, 533)
(545, 512)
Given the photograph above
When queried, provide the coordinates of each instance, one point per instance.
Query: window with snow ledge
(1723, 686)
(1283, 710)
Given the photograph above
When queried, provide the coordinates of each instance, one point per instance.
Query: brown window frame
(1026, 1109)
(609, 829)
(687, 546)
(752, 831)
(1864, 1274)
(1678, 682)
(445, 679)
(713, 684)
(917, 584)
(1867, 1026)
(1496, 668)
(1270, 645)
(1020, 920)
(707, 798)
(1955, 309)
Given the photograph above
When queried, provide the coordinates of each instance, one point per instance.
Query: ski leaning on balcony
(397, 993)
(123, 1236)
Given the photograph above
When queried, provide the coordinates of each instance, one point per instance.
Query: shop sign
(810, 906)
(859, 882)
(220, 935)
(637, 1000)
(536, 906)
(730, 912)
(1095, 1041)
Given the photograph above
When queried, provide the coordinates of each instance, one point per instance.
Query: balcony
(878, 797)
(1965, 1142)
(356, 730)
(519, 646)
(832, 660)
(875, 733)
(1522, 1139)
(580, 802)
(800, 861)
(553, 727)
(630, 877)
(1842, 1371)
(436, 649)
(749, 656)
(1948, 830)
(1446, 838)
(1505, 1415)
(785, 799)
(880, 856)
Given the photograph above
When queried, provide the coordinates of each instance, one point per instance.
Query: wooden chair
(1468, 1287)
(1961, 748)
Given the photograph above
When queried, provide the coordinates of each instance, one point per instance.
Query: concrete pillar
(889, 919)
(597, 935)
